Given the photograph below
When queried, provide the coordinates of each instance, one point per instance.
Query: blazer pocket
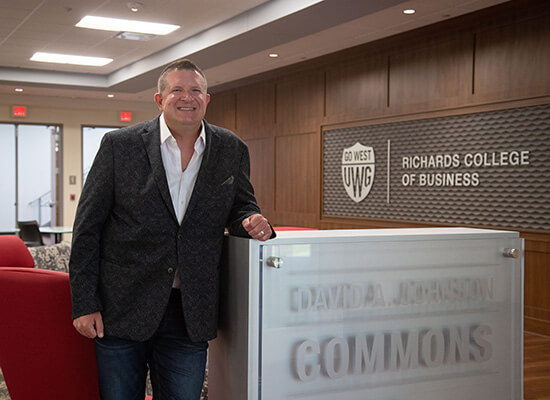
(228, 181)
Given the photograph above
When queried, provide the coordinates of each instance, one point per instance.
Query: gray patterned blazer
(127, 242)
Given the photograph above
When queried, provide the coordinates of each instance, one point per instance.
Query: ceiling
(229, 39)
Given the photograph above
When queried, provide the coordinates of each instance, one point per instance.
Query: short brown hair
(178, 65)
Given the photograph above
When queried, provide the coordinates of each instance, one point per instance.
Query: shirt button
(170, 270)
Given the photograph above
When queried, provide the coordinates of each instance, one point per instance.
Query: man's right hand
(90, 325)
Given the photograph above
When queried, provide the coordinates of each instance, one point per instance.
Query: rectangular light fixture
(70, 59)
(125, 25)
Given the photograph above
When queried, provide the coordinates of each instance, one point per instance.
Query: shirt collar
(165, 134)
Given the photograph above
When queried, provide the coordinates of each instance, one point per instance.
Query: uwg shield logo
(358, 171)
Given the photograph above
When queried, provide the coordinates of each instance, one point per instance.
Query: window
(91, 140)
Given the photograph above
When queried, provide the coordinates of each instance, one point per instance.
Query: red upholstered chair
(41, 354)
(14, 253)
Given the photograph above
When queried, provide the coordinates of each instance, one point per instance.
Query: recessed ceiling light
(125, 25)
(409, 11)
(110, 95)
(70, 59)
(142, 37)
(18, 89)
(273, 55)
(135, 6)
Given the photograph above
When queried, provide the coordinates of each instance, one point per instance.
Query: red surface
(42, 355)
(292, 228)
(19, 111)
(14, 253)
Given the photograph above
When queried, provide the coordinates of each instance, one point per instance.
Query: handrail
(39, 201)
(39, 198)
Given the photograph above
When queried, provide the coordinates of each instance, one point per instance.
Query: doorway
(30, 161)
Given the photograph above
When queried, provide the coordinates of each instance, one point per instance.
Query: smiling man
(148, 238)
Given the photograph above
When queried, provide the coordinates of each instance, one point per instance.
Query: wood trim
(442, 112)
(357, 89)
(432, 74)
(537, 326)
(510, 62)
(256, 110)
(262, 173)
(299, 104)
(221, 110)
(297, 174)
(536, 367)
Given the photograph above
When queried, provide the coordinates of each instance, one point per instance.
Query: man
(148, 237)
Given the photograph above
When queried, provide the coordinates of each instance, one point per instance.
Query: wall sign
(358, 171)
(484, 169)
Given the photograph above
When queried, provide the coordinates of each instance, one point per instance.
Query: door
(30, 160)
(91, 140)
(7, 166)
(37, 173)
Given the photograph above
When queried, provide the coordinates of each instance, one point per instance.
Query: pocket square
(228, 181)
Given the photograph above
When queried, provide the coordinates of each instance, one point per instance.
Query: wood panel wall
(492, 59)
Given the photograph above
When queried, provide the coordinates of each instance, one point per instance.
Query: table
(56, 231)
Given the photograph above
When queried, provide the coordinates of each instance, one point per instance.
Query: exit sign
(126, 116)
(19, 111)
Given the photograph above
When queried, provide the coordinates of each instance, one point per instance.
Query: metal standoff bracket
(512, 253)
(274, 262)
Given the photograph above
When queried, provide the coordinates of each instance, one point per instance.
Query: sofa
(56, 257)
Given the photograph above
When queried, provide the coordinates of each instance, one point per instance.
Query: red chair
(14, 253)
(41, 354)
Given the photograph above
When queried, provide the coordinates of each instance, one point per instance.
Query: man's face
(184, 99)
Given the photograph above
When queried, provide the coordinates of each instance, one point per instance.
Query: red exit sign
(126, 116)
(19, 111)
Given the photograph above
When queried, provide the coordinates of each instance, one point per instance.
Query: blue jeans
(177, 364)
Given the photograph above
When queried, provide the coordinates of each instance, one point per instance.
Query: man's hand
(90, 325)
(257, 227)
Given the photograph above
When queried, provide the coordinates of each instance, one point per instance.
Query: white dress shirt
(180, 183)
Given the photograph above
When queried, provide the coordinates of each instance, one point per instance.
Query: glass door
(37, 173)
(7, 166)
(91, 140)
(31, 169)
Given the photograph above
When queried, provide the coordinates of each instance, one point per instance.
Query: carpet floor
(4, 395)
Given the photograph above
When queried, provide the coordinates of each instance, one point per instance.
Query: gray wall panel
(511, 187)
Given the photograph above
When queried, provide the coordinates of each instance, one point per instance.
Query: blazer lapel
(151, 139)
(207, 169)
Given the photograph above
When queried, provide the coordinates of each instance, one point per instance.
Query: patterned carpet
(4, 395)
(3, 389)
